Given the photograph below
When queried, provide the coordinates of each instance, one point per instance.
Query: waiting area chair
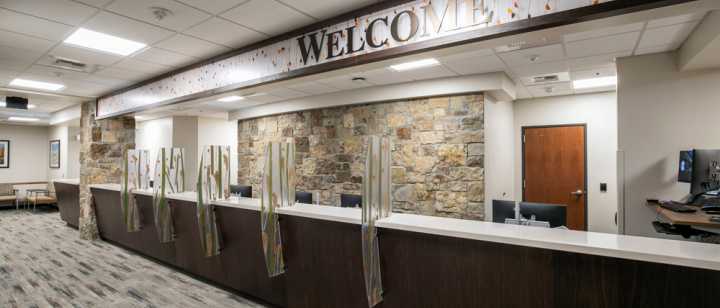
(350, 200)
(241, 190)
(303, 197)
(8, 195)
(41, 197)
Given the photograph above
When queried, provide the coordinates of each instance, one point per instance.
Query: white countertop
(682, 253)
(692, 254)
(332, 213)
(68, 181)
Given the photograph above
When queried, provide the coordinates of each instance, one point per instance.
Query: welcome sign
(401, 25)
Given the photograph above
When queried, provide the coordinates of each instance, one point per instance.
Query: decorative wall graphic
(376, 204)
(55, 154)
(278, 190)
(169, 178)
(4, 153)
(213, 184)
(401, 25)
(136, 172)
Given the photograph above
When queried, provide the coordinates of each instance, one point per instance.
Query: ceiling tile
(655, 49)
(384, 76)
(564, 88)
(7, 75)
(603, 45)
(603, 32)
(127, 28)
(7, 63)
(34, 26)
(327, 8)
(19, 54)
(521, 92)
(164, 57)
(432, 72)
(263, 16)
(152, 69)
(179, 18)
(226, 33)
(86, 56)
(263, 98)
(594, 73)
(596, 61)
(64, 11)
(540, 54)
(539, 69)
(313, 88)
(95, 3)
(215, 6)
(25, 42)
(118, 73)
(345, 82)
(670, 35)
(675, 20)
(75, 76)
(191, 46)
(286, 93)
(473, 63)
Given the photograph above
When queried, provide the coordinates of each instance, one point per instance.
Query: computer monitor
(705, 171)
(685, 165)
(503, 209)
(555, 214)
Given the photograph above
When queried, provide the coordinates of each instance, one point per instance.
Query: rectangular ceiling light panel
(103, 42)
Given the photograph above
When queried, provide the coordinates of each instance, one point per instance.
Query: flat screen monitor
(503, 209)
(685, 167)
(704, 163)
(555, 214)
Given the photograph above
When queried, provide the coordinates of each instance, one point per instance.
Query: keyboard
(677, 207)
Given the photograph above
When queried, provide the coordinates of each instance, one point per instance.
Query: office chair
(350, 200)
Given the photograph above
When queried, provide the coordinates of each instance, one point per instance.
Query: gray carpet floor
(43, 263)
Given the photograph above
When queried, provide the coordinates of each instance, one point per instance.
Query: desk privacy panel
(376, 205)
(213, 184)
(135, 175)
(278, 190)
(169, 178)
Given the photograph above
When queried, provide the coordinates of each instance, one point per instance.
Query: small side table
(36, 191)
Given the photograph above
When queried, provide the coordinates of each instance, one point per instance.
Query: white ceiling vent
(73, 65)
(546, 79)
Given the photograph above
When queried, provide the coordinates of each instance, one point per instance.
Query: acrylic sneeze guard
(278, 190)
(213, 184)
(135, 175)
(169, 178)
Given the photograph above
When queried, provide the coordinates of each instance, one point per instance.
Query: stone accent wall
(438, 150)
(103, 143)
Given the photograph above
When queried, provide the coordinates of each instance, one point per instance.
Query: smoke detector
(160, 12)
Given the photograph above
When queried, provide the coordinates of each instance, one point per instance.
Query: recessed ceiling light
(36, 84)
(595, 82)
(139, 118)
(103, 42)
(232, 98)
(31, 106)
(414, 64)
(21, 119)
(2, 104)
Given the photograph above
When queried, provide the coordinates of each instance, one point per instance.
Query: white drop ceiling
(32, 31)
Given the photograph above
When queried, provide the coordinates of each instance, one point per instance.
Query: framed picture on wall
(55, 154)
(4, 153)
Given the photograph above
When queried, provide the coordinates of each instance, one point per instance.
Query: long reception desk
(67, 192)
(426, 261)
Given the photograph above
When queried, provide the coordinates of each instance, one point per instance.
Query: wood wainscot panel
(68, 202)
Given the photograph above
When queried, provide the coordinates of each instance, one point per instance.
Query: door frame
(522, 160)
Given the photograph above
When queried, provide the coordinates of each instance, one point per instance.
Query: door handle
(577, 193)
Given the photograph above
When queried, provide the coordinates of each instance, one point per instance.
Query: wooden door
(554, 169)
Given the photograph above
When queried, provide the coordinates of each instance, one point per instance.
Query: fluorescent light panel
(25, 83)
(2, 104)
(595, 82)
(30, 106)
(22, 119)
(414, 64)
(232, 98)
(103, 42)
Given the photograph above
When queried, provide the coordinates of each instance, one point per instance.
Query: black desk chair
(242, 190)
(303, 197)
(349, 200)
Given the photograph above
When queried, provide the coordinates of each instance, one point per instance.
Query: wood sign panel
(401, 25)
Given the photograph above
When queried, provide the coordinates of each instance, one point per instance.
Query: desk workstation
(465, 263)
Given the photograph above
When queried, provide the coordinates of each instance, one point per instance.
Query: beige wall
(661, 112)
(28, 153)
(69, 152)
(599, 112)
(499, 154)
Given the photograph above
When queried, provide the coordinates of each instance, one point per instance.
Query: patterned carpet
(43, 263)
